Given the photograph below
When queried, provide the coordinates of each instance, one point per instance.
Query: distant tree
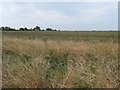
(21, 29)
(37, 28)
(48, 29)
(2, 28)
(25, 29)
(7, 29)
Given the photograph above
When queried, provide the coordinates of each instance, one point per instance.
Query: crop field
(59, 59)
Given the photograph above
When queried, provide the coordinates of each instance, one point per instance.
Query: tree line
(37, 28)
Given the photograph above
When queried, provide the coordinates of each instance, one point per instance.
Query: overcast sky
(60, 15)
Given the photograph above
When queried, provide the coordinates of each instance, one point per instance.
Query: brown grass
(88, 64)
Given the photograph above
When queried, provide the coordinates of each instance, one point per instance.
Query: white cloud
(59, 0)
(0, 15)
(28, 14)
(52, 17)
(15, 14)
(95, 13)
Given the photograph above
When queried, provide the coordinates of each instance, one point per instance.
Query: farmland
(59, 59)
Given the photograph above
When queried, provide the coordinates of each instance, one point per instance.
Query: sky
(60, 15)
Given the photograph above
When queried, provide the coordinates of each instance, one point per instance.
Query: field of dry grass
(35, 63)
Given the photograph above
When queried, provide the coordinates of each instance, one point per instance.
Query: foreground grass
(31, 63)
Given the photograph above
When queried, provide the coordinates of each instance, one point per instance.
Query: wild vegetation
(37, 28)
(60, 59)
